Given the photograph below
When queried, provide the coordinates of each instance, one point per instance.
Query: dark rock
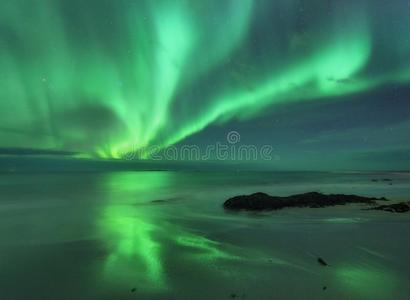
(375, 180)
(401, 207)
(133, 290)
(325, 288)
(261, 201)
(322, 262)
(233, 295)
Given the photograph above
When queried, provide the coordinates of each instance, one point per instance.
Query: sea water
(165, 235)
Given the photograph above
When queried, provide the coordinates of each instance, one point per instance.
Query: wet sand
(165, 235)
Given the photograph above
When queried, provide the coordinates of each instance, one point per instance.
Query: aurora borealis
(103, 78)
(89, 87)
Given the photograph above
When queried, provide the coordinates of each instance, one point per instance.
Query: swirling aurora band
(107, 77)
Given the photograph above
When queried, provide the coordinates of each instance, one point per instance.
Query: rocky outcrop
(401, 207)
(262, 201)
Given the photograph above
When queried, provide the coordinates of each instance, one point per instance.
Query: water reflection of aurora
(135, 234)
(134, 253)
(365, 281)
(148, 248)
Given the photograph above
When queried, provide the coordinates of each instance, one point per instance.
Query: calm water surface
(165, 235)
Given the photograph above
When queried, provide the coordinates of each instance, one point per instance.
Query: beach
(166, 235)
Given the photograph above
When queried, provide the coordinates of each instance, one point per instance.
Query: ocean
(165, 235)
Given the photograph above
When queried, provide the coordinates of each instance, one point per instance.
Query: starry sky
(325, 83)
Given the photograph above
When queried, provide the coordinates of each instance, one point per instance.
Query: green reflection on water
(134, 252)
(129, 230)
(138, 237)
(366, 281)
(206, 248)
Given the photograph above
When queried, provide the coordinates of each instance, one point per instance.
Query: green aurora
(108, 77)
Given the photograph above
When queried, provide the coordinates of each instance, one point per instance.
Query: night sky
(325, 83)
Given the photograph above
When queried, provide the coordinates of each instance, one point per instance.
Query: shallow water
(165, 235)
